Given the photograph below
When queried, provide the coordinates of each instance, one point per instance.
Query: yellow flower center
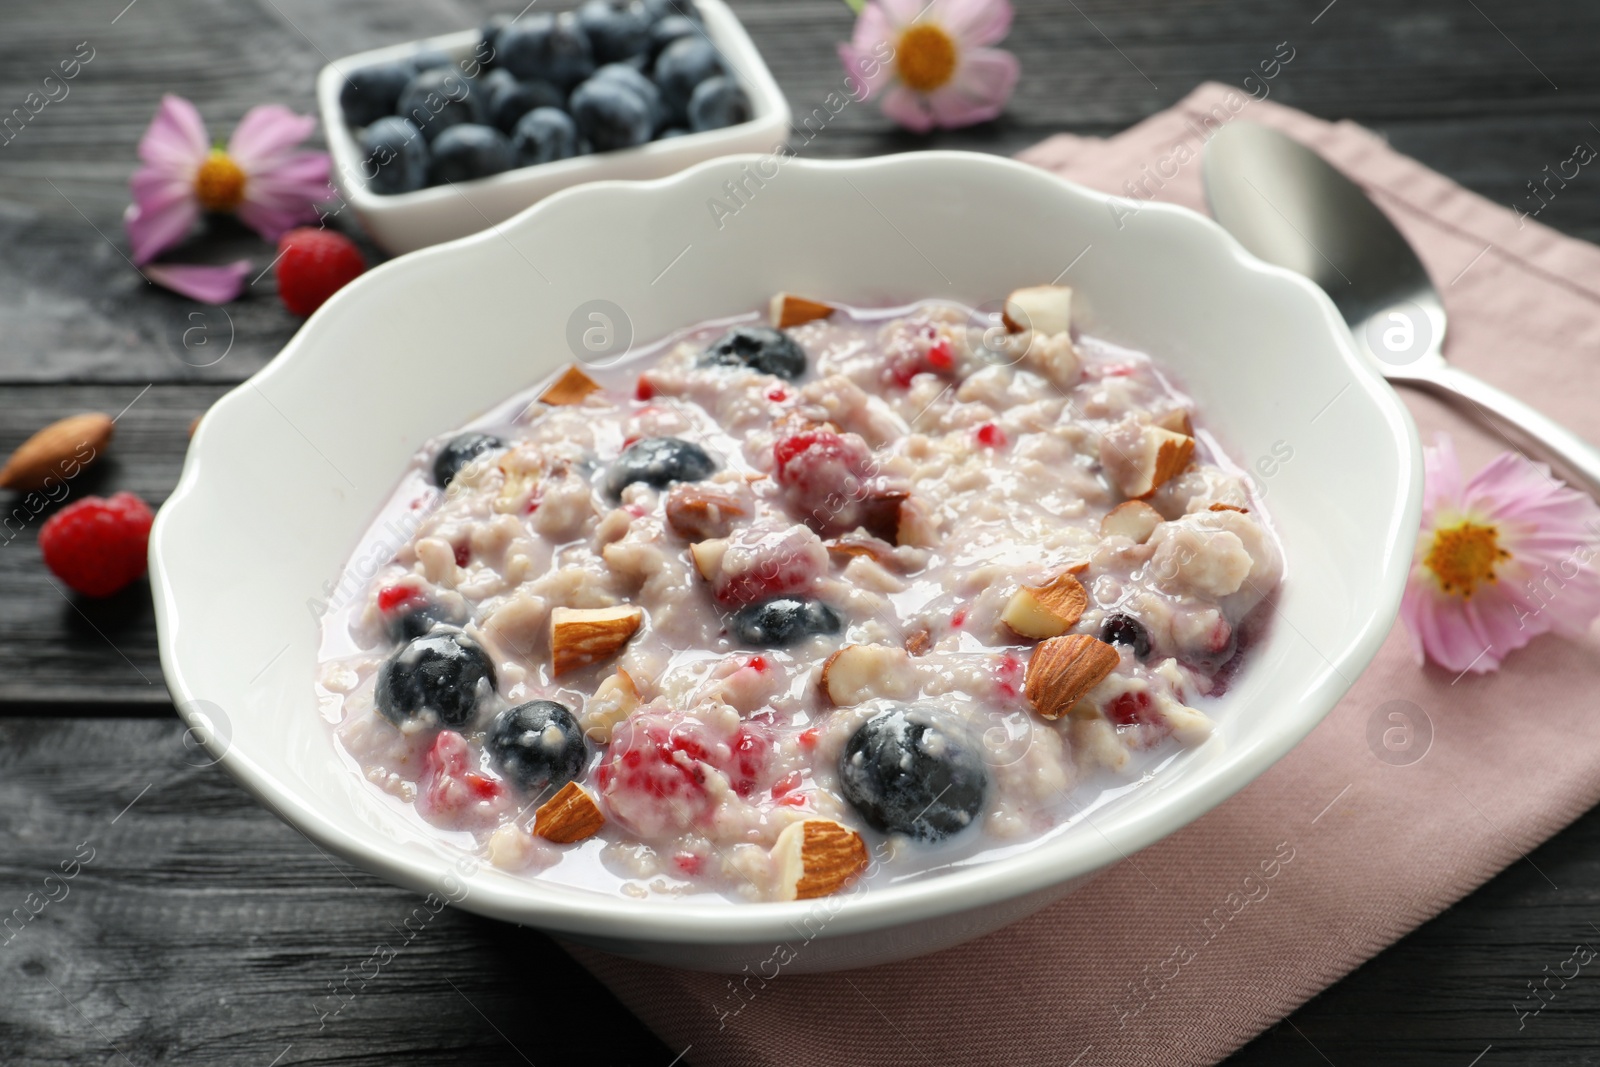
(1464, 555)
(925, 58)
(219, 183)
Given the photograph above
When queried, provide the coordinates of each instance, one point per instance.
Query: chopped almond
(1044, 309)
(571, 815)
(1144, 462)
(850, 547)
(1048, 610)
(1063, 669)
(707, 556)
(581, 636)
(1229, 507)
(1176, 420)
(615, 698)
(817, 857)
(697, 511)
(860, 672)
(570, 388)
(1133, 519)
(790, 310)
(919, 641)
(881, 515)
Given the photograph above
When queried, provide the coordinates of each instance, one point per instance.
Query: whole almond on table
(1063, 669)
(60, 450)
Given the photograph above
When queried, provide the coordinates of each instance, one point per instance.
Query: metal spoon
(1288, 206)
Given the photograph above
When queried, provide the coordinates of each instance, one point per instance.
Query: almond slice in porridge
(1049, 610)
(615, 698)
(570, 388)
(817, 857)
(860, 672)
(1133, 519)
(919, 641)
(789, 310)
(1176, 420)
(1229, 507)
(871, 547)
(571, 815)
(881, 514)
(581, 636)
(1162, 455)
(698, 512)
(1063, 669)
(1044, 309)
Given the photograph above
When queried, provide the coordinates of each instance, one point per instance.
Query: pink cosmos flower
(932, 61)
(260, 176)
(1501, 559)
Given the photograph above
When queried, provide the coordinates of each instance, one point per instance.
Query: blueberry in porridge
(780, 609)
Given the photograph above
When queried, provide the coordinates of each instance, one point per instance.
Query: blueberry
(444, 672)
(553, 48)
(468, 151)
(543, 135)
(487, 35)
(907, 771)
(663, 9)
(370, 93)
(682, 65)
(432, 59)
(458, 452)
(1120, 629)
(658, 462)
(507, 99)
(438, 99)
(537, 745)
(415, 620)
(669, 29)
(759, 347)
(783, 620)
(610, 114)
(617, 29)
(624, 74)
(718, 102)
(394, 157)
(671, 131)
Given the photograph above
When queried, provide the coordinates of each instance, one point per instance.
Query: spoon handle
(1577, 457)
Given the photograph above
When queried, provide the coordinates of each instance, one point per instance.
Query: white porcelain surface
(286, 471)
(408, 221)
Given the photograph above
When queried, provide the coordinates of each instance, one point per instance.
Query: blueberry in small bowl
(718, 102)
(372, 92)
(394, 155)
(544, 135)
(616, 29)
(468, 151)
(610, 114)
(437, 99)
(507, 98)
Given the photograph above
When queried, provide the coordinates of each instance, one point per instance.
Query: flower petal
(209, 285)
(265, 134)
(175, 142)
(1441, 477)
(872, 29)
(900, 13)
(287, 196)
(158, 224)
(975, 23)
(982, 84)
(864, 74)
(909, 109)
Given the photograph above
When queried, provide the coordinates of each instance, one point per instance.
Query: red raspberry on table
(313, 265)
(97, 546)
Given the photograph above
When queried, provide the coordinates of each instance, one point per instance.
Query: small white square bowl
(407, 221)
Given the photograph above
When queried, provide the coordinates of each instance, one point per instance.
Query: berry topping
(407, 612)
(313, 265)
(783, 620)
(97, 545)
(658, 462)
(761, 563)
(1120, 629)
(655, 773)
(458, 452)
(538, 745)
(825, 480)
(991, 436)
(451, 792)
(444, 673)
(760, 348)
(906, 772)
(1132, 709)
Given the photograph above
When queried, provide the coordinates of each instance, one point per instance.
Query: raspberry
(663, 770)
(313, 265)
(452, 795)
(991, 436)
(824, 475)
(761, 564)
(96, 545)
(1132, 709)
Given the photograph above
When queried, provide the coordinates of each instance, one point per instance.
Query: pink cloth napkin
(1184, 952)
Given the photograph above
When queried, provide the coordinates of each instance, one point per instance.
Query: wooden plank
(198, 928)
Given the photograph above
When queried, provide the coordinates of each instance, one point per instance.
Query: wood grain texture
(205, 930)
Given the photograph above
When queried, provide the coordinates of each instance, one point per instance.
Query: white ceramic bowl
(408, 221)
(287, 470)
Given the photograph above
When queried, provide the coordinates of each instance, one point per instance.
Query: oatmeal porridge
(770, 611)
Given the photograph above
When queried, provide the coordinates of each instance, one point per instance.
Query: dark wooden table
(204, 930)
